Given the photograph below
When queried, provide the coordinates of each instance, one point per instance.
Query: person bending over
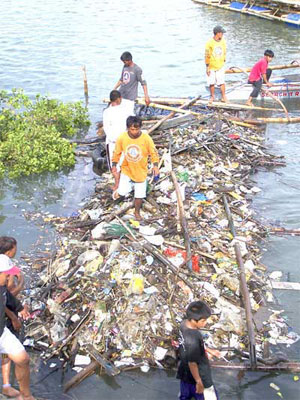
(260, 73)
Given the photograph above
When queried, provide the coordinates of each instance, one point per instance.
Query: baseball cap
(7, 267)
(218, 29)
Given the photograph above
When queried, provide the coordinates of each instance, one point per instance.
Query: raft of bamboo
(277, 10)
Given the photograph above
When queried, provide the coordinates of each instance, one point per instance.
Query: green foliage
(32, 133)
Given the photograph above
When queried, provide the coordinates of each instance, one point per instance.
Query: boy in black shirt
(194, 370)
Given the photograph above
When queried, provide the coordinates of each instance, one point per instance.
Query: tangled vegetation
(33, 133)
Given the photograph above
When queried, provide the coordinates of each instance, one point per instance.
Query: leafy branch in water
(33, 133)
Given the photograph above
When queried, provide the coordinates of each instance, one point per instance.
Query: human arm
(213, 353)
(118, 84)
(207, 58)
(115, 159)
(147, 98)
(16, 323)
(15, 290)
(265, 79)
(195, 372)
(153, 155)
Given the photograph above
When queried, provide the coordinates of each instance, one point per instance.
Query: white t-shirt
(114, 120)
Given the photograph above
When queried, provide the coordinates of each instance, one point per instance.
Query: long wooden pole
(183, 222)
(243, 287)
(237, 70)
(158, 124)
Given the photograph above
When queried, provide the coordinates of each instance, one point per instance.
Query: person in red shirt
(260, 73)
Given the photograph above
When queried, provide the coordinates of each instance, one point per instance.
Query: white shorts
(9, 343)
(216, 77)
(126, 185)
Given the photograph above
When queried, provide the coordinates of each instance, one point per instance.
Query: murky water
(44, 44)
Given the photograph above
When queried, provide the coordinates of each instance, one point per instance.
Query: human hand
(147, 100)
(269, 84)
(25, 314)
(207, 71)
(16, 323)
(215, 353)
(199, 387)
(155, 170)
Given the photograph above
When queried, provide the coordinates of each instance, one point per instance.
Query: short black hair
(269, 53)
(133, 120)
(198, 310)
(7, 243)
(114, 95)
(126, 56)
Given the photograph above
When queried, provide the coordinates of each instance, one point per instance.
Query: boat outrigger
(287, 11)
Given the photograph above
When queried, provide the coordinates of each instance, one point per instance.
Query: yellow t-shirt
(136, 153)
(215, 54)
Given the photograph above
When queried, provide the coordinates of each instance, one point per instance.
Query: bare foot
(137, 216)
(211, 100)
(22, 397)
(249, 104)
(9, 391)
(115, 195)
(224, 100)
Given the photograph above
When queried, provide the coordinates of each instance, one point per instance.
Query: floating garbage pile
(118, 289)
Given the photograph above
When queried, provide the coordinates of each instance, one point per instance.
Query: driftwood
(183, 221)
(160, 122)
(244, 288)
(291, 366)
(80, 376)
(109, 367)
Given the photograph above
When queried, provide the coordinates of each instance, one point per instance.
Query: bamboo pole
(290, 120)
(216, 104)
(159, 123)
(85, 84)
(183, 222)
(244, 288)
(237, 70)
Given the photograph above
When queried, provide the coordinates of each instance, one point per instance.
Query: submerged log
(291, 366)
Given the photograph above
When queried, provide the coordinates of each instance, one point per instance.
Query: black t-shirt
(192, 350)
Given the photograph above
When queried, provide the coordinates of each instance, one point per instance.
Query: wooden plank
(237, 70)
(285, 285)
(109, 367)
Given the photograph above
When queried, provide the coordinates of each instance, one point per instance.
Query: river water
(44, 44)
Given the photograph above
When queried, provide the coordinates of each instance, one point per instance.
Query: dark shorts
(188, 392)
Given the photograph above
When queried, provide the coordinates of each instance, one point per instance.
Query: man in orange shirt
(136, 146)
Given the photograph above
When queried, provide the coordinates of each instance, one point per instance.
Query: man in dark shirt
(131, 76)
(194, 370)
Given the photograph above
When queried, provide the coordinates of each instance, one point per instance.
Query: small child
(194, 370)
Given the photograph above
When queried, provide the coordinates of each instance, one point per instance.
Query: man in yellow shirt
(215, 57)
(136, 146)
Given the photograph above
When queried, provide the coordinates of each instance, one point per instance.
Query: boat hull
(281, 91)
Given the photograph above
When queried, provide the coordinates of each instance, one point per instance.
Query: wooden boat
(287, 11)
(284, 87)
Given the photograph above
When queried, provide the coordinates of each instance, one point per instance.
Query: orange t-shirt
(136, 153)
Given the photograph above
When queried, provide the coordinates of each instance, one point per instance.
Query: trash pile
(119, 288)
